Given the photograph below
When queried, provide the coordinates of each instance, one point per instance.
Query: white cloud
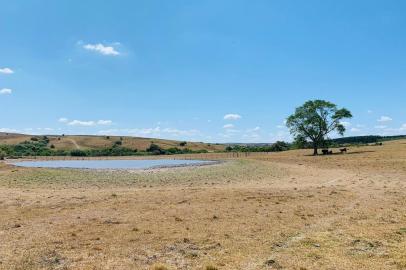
(384, 119)
(63, 120)
(9, 130)
(102, 49)
(86, 123)
(228, 126)
(104, 122)
(380, 127)
(346, 124)
(156, 131)
(232, 116)
(6, 71)
(370, 112)
(403, 127)
(82, 123)
(5, 91)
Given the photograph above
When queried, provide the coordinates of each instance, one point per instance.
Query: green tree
(279, 146)
(315, 119)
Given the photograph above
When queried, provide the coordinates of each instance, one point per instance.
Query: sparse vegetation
(283, 210)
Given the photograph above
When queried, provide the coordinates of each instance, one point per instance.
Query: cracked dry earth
(280, 211)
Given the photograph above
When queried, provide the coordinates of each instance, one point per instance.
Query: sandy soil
(277, 211)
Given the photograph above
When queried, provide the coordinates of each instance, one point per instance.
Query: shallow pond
(111, 164)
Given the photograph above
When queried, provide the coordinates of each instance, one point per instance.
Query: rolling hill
(84, 142)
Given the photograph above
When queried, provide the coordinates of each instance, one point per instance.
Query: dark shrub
(155, 149)
(116, 143)
(279, 146)
(229, 149)
(78, 153)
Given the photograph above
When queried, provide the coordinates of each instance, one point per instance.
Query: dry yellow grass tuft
(159, 267)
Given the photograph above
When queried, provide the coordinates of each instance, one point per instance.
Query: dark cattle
(325, 151)
(343, 150)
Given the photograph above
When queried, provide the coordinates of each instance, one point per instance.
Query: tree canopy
(315, 119)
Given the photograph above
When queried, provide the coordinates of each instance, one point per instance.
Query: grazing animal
(325, 151)
(343, 150)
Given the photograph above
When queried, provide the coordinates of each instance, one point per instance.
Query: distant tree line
(366, 139)
(275, 147)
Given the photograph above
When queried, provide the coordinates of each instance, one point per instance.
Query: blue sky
(214, 71)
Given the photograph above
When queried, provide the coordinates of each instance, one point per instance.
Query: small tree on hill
(316, 119)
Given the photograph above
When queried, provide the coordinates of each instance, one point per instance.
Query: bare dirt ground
(277, 211)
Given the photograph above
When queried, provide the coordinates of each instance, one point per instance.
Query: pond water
(111, 164)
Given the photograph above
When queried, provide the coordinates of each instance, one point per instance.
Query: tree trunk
(315, 152)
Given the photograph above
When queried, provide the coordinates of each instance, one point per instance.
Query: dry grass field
(70, 142)
(263, 211)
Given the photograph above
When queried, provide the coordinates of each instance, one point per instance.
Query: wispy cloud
(104, 122)
(6, 70)
(102, 49)
(5, 91)
(82, 123)
(63, 120)
(232, 116)
(255, 129)
(228, 126)
(87, 123)
(155, 131)
(383, 119)
(9, 130)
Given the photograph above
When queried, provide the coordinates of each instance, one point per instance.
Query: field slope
(284, 210)
(73, 142)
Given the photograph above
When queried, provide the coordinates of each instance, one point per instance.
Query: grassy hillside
(72, 142)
